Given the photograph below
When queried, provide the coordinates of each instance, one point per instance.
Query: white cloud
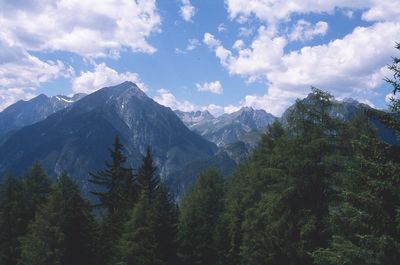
(221, 27)
(210, 40)
(305, 31)
(102, 76)
(263, 55)
(275, 12)
(187, 10)
(213, 87)
(192, 44)
(91, 30)
(21, 73)
(9, 96)
(353, 66)
(238, 45)
(166, 98)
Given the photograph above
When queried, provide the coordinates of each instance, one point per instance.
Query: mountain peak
(246, 109)
(126, 88)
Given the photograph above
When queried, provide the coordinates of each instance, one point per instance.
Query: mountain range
(24, 113)
(74, 134)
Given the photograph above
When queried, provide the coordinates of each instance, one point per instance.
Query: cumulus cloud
(352, 66)
(91, 30)
(263, 55)
(305, 31)
(213, 87)
(102, 76)
(276, 12)
(21, 73)
(166, 98)
(338, 66)
(187, 10)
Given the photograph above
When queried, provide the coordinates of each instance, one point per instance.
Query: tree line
(316, 190)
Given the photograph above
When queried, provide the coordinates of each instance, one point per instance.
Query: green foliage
(12, 225)
(395, 81)
(117, 193)
(63, 231)
(149, 235)
(147, 178)
(36, 188)
(138, 242)
(365, 223)
(116, 182)
(199, 218)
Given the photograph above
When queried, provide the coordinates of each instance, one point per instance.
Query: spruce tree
(137, 244)
(365, 223)
(198, 221)
(12, 225)
(63, 231)
(149, 236)
(148, 180)
(395, 81)
(36, 188)
(116, 190)
(116, 193)
(166, 219)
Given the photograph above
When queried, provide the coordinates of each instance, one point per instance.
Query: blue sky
(200, 54)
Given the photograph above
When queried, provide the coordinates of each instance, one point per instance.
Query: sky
(216, 55)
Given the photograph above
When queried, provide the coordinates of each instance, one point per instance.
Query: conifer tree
(137, 245)
(116, 194)
(116, 183)
(63, 231)
(148, 181)
(199, 217)
(395, 81)
(166, 219)
(36, 188)
(365, 223)
(149, 236)
(12, 225)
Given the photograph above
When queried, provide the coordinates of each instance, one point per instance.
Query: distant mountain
(194, 117)
(77, 138)
(23, 113)
(233, 127)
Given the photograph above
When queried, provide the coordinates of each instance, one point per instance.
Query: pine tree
(199, 217)
(147, 178)
(12, 225)
(366, 220)
(137, 245)
(166, 219)
(116, 182)
(63, 231)
(395, 81)
(149, 236)
(36, 188)
(117, 194)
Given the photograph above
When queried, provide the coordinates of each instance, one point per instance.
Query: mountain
(233, 127)
(77, 138)
(194, 117)
(23, 113)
